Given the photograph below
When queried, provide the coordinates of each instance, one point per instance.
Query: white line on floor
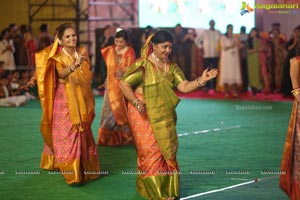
(239, 179)
(226, 188)
(209, 130)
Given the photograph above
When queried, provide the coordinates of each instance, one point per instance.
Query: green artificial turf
(233, 136)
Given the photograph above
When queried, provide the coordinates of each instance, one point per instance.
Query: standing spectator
(2, 71)
(114, 128)
(276, 27)
(115, 28)
(230, 72)
(178, 52)
(209, 41)
(105, 40)
(146, 33)
(277, 45)
(20, 54)
(243, 56)
(190, 55)
(44, 38)
(30, 46)
(7, 50)
(15, 35)
(196, 55)
(256, 62)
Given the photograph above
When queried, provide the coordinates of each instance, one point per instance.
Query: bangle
(296, 91)
(135, 102)
(77, 65)
(71, 68)
(198, 82)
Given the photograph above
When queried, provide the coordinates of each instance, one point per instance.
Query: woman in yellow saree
(290, 165)
(63, 80)
(148, 86)
(114, 128)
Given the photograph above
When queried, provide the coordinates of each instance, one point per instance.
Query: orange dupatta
(45, 74)
(113, 90)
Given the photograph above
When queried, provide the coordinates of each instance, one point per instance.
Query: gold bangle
(71, 68)
(198, 82)
(296, 91)
(77, 65)
(136, 102)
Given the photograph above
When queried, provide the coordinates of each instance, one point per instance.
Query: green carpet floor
(236, 141)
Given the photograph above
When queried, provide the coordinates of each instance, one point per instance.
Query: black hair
(25, 28)
(227, 27)
(122, 34)
(148, 31)
(43, 27)
(243, 29)
(162, 36)
(106, 27)
(276, 24)
(250, 39)
(12, 25)
(3, 32)
(297, 28)
(61, 29)
(6, 74)
(148, 28)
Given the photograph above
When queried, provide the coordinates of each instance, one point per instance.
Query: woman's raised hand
(209, 74)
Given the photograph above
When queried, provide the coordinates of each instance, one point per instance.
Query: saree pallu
(114, 128)
(110, 133)
(290, 165)
(47, 159)
(75, 153)
(157, 178)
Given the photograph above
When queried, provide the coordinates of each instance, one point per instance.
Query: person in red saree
(63, 80)
(114, 128)
(148, 87)
(290, 164)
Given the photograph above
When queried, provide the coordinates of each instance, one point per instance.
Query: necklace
(76, 57)
(156, 60)
(120, 54)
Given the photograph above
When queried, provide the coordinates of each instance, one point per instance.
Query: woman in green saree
(148, 87)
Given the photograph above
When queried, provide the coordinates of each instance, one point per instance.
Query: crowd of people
(257, 61)
(17, 62)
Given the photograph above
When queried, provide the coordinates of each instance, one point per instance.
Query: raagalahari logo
(276, 8)
(246, 8)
